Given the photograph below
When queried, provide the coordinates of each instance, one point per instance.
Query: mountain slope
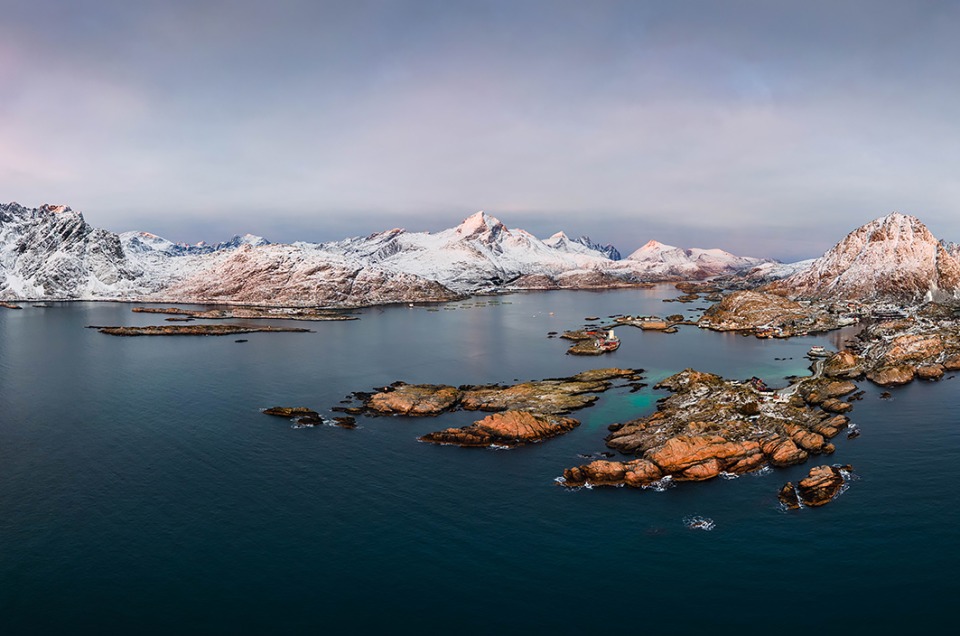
(894, 257)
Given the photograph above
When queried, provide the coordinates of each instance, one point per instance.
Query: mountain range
(50, 252)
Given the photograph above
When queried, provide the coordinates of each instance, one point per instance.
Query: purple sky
(764, 128)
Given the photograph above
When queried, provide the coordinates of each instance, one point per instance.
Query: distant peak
(560, 236)
(478, 222)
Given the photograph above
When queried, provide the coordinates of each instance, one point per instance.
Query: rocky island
(251, 313)
(523, 413)
(710, 426)
(821, 486)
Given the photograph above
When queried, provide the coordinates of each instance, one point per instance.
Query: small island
(251, 313)
(193, 330)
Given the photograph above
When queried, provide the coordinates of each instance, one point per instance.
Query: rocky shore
(193, 330)
(7, 305)
(523, 413)
(710, 426)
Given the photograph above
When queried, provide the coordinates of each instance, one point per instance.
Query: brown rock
(912, 349)
(820, 485)
(414, 399)
(510, 428)
(783, 452)
(834, 405)
(843, 364)
(635, 473)
(830, 427)
(952, 363)
(788, 496)
(697, 458)
(892, 376)
(930, 372)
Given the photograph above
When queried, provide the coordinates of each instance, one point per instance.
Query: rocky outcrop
(843, 364)
(821, 485)
(892, 375)
(507, 428)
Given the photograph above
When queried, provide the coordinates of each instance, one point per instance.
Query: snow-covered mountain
(669, 261)
(145, 242)
(51, 252)
(480, 254)
(893, 257)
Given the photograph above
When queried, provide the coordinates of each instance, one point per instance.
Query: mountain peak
(478, 223)
(894, 256)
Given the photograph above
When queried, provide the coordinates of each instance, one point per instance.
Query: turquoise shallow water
(142, 490)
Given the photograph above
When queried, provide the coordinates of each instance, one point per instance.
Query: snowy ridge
(893, 257)
(51, 252)
(667, 260)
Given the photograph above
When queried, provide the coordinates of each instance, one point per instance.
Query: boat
(816, 351)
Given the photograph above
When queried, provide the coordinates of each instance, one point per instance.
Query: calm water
(141, 490)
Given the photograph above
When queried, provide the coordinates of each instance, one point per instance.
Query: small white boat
(816, 351)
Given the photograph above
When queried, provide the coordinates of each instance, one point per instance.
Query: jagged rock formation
(894, 257)
(51, 252)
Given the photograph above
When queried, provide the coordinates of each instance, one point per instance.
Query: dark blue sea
(143, 491)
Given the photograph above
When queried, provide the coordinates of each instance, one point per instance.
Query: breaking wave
(699, 523)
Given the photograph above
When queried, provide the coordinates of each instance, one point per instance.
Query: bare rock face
(509, 428)
(894, 257)
(819, 487)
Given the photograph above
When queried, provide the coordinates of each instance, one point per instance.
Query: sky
(765, 128)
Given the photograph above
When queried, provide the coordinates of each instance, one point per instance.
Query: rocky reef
(524, 413)
(710, 426)
(821, 485)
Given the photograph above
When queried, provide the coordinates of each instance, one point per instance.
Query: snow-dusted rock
(893, 257)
